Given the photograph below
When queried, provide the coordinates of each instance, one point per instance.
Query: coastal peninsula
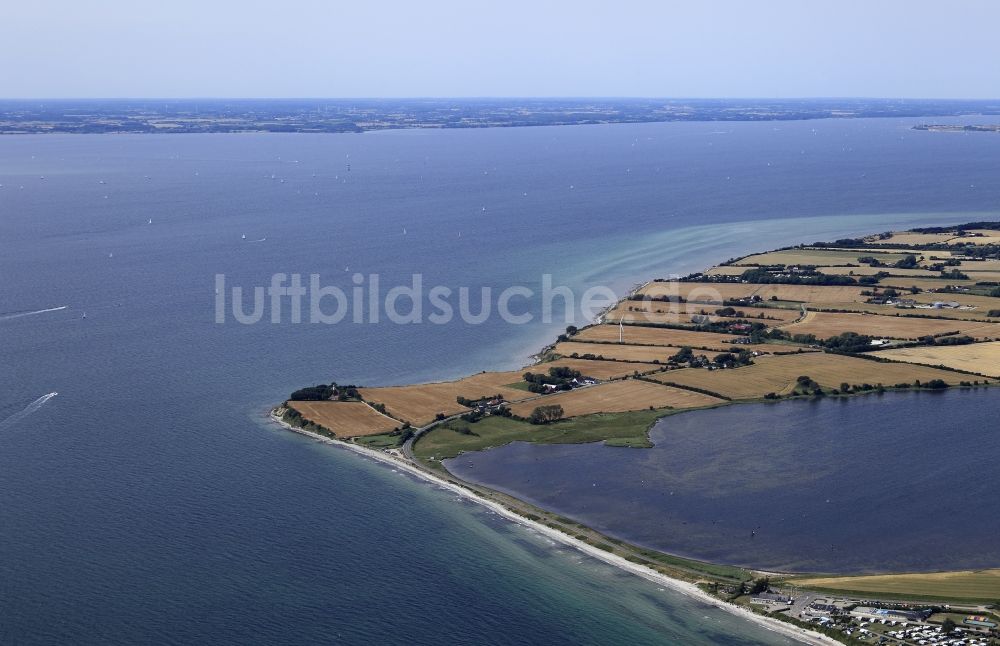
(898, 311)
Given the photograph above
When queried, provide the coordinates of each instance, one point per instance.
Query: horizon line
(498, 97)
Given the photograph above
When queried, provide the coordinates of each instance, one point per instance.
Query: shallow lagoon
(900, 481)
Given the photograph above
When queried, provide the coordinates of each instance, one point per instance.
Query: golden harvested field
(969, 266)
(905, 282)
(716, 292)
(346, 419)
(904, 237)
(987, 236)
(418, 404)
(892, 310)
(605, 334)
(617, 397)
(983, 358)
(899, 253)
(983, 304)
(984, 276)
(778, 374)
(827, 324)
(866, 270)
(595, 368)
(819, 257)
(727, 270)
(982, 585)
(620, 352)
(657, 311)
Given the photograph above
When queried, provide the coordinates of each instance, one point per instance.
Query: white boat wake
(17, 315)
(28, 410)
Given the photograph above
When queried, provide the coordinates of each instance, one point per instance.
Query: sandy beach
(799, 634)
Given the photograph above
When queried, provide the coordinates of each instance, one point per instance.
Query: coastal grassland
(827, 324)
(621, 429)
(983, 358)
(345, 419)
(601, 335)
(419, 404)
(595, 368)
(715, 293)
(965, 585)
(778, 374)
(818, 257)
(616, 397)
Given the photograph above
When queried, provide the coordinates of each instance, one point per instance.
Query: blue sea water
(150, 501)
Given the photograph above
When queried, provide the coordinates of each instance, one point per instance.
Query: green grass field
(619, 429)
(383, 441)
(966, 585)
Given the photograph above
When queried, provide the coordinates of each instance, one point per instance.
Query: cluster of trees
(947, 340)
(570, 331)
(323, 392)
(846, 342)
(687, 355)
(546, 414)
(560, 377)
(761, 275)
(949, 262)
(723, 360)
(804, 385)
(472, 403)
(294, 418)
(846, 388)
(756, 586)
(873, 279)
(733, 359)
(663, 298)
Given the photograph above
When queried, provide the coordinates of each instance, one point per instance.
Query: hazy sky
(380, 48)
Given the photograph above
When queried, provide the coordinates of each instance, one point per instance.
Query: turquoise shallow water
(149, 501)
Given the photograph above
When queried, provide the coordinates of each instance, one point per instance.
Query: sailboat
(150, 221)
(244, 237)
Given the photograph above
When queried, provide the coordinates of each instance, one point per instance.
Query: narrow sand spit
(800, 634)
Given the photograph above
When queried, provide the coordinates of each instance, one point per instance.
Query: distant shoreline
(322, 116)
(932, 127)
